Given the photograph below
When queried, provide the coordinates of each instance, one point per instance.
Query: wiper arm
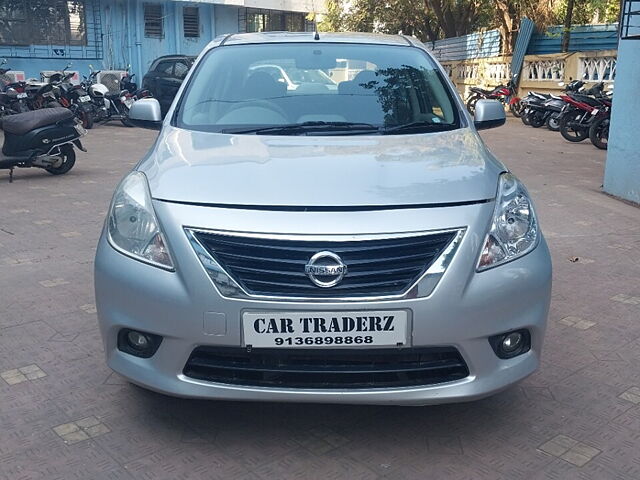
(419, 127)
(311, 126)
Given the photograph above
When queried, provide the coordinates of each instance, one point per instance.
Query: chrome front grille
(275, 267)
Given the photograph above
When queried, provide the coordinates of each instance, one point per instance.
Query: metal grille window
(191, 22)
(256, 20)
(42, 22)
(630, 20)
(153, 20)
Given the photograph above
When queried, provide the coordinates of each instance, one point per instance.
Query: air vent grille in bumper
(327, 368)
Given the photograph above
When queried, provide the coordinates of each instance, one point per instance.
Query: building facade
(45, 35)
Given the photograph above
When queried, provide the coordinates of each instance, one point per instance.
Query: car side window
(180, 70)
(165, 67)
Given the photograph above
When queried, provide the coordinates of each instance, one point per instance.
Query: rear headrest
(262, 85)
(363, 83)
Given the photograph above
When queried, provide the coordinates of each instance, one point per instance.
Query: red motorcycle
(507, 94)
(581, 111)
(599, 129)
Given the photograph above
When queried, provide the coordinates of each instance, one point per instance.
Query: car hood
(312, 171)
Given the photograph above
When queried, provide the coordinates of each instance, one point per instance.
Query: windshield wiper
(305, 127)
(419, 127)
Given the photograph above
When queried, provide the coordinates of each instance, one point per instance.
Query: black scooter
(545, 109)
(42, 139)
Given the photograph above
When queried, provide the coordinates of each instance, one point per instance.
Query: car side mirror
(489, 114)
(145, 113)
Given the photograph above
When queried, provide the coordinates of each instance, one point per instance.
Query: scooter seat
(22, 123)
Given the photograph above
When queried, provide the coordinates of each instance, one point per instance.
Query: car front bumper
(463, 311)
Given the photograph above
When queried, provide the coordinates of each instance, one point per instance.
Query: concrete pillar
(622, 170)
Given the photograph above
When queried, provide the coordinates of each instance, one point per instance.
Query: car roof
(324, 37)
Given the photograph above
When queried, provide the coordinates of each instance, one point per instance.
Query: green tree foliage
(430, 20)
(426, 19)
(57, 22)
(590, 11)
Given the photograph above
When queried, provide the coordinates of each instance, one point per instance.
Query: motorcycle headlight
(514, 229)
(133, 227)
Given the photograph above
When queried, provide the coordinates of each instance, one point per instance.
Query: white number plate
(594, 111)
(22, 95)
(325, 329)
(85, 98)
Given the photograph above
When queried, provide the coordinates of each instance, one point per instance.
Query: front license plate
(325, 329)
(21, 95)
(85, 98)
(594, 111)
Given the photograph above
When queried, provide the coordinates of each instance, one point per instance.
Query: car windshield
(309, 76)
(317, 88)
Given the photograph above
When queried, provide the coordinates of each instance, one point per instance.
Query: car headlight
(132, 226)
(514, 229)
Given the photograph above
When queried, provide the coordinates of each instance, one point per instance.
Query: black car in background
(165, 77)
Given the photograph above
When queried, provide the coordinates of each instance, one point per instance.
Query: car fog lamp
(511, 342)
(137, 340)
(138, 344)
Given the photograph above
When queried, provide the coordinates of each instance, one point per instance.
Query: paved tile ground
(64, 415)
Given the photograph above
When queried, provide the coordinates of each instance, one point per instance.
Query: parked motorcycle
(507, 94)
(13, 96)
(42, 139)
(599, 129)
(108, 105)
(73, 97)
(128, 84)
(533, 108)
(545, 109)
(581, 110)
(41, 95)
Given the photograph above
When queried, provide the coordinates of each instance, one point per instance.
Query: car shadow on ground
(214, 421)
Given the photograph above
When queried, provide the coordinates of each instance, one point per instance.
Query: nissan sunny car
(352, 244)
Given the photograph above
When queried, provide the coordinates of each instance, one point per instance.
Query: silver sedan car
(354, 244)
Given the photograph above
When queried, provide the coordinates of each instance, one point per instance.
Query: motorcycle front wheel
(569, 130)
(599, 133)
(553, 123)
(471, 104)
(68, 161)
(536, 120)
(87, 120)
(516, 109)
